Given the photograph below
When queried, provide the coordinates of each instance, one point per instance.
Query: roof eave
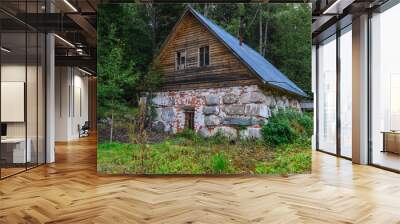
(303, 95)
(191, 10)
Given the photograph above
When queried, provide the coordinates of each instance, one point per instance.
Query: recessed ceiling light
(5, 50)
(84, 71)
(70, 5)
(337, 7)
(65, 41)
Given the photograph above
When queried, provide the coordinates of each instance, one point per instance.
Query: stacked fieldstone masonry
(235, 111)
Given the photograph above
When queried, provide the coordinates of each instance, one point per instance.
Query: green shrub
(291, 160)
(278, 132)
(218, 139)
(286, 127)
(190, 135)
(261, 169)
(186, 133)
(219, 163)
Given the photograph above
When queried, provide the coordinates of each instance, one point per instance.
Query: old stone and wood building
(214, 83)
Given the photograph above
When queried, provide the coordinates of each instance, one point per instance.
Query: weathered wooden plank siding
(224, 69)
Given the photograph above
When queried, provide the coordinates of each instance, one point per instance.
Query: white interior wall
(71, 94)
(33, 126)
(62, 80)
(14, 73)
(80, 109)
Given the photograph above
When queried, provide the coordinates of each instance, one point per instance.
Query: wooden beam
(86, 27)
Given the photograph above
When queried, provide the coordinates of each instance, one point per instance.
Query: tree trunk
(206, 6)
(265, 38)
(111, 126)
(261, 34)
(141, 132)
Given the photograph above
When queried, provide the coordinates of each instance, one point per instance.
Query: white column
(50, 110)
(50, 93)
(314, 91)
(360, 90)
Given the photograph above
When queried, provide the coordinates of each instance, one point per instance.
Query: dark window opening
(204, 56)
(180, 60)
(189, 119)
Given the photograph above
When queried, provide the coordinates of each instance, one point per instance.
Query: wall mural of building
(215, 83)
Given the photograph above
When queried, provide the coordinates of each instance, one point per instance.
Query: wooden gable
(224, 70)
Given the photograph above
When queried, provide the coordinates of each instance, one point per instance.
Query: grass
(187, 153)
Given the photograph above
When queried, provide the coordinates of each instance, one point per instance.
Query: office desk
(391, 141)
(13, 150)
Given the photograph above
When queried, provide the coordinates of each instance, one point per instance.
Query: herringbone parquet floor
(70, 191)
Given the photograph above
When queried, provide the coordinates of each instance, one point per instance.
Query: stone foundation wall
(234, 111)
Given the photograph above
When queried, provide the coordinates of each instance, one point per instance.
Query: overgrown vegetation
(188, 153)
(287, 127)
(289, 158)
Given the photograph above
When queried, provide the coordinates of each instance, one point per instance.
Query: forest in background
(130, 35)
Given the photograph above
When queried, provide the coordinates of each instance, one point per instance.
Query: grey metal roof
(255, 62)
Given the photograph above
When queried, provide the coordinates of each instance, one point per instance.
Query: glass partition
(385, 89)
(327, 95)
(346, 92)
(31, 97)
(41, 96)
(13, 94)
(22, 101)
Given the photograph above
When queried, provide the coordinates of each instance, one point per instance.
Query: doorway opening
(189, 118)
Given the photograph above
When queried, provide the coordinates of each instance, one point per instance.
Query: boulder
(237, 121)
(168, 114)
(251, 88)
(211, 120)
(234, 109)
(158, 126)
(245, 98)
(269, 101)
(163, 101)
(207, 110)
(250, 133)
(257, 97)
(230, 98)
(212, 100)
(257, 110)
(204, 132)
(294, 104)
(228, 132)
(280, 103)
(258, 121)
(158, 112)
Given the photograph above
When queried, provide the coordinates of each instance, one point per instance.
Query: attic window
(204, 54)
(180, 59)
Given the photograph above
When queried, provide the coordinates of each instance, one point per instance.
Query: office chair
(84, 130)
